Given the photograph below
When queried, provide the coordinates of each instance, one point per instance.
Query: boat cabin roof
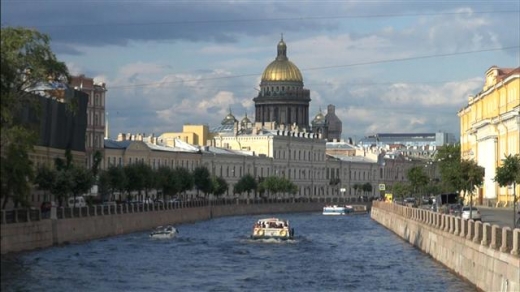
(277, 220)
(163, 227)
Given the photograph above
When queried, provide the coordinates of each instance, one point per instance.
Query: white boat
(344, 210)
(337, 210)
(272, 228)
(164, 232)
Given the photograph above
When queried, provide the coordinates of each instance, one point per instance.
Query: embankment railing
(32, 214)
(502, 239)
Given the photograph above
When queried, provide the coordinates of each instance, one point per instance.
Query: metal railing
(32, 215)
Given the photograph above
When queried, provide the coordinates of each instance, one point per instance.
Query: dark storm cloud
(95, 23)
(64, 49)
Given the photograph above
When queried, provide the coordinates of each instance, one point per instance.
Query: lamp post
(514, 204)
(471, 201)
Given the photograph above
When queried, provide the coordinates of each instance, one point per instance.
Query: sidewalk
(493, 207)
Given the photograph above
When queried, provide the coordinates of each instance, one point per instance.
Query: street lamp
(514, 204)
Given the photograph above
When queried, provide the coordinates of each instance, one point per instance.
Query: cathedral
(283, 103)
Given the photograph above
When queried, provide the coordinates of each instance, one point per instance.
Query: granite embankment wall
(76, 225)
(486, 255)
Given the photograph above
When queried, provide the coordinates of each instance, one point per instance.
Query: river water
(329, 253)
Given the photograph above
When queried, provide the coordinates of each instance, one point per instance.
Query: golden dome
(229, 119)
(281, 69)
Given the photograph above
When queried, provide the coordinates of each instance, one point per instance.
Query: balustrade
(492, 236)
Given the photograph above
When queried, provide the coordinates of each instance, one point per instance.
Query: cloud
(190, 63)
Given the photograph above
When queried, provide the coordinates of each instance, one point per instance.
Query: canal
(329, 253)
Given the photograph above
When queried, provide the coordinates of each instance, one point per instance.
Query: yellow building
(490, 130)
(191, 134)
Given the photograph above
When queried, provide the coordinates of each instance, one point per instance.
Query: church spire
(107, 134)
(282, 50)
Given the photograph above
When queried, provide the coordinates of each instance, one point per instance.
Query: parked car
(159, 202)
(475, 213)
(454, 209)
(77, 202)
(410, 202)
(174, 200)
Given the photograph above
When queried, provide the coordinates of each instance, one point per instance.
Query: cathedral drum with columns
(282, 98)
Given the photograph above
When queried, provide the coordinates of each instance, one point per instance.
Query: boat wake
(272, 240)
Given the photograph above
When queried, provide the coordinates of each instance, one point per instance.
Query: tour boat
(344, 210)
(164, 232)
(272, 228)
(336, 210)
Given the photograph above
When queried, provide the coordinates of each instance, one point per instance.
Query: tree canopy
(202, 180)
(219, 186)
(509, 172)
(417, 178)
(27, 60)
(275, 185)
(246, 184)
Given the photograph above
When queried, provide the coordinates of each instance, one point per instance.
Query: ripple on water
(329, 253)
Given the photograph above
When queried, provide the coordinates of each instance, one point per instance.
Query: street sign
(382, 187)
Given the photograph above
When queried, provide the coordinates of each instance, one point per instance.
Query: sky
(387, 66)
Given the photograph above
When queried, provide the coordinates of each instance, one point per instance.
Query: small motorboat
(272, 228)
(164, 232)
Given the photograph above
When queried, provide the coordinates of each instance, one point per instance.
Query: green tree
(367, 188)
(98, 157)
(62, 185)
(27, 59)
(16, 169)
(418, 179)
(509, 174)
(202, 180)
(471, 175)
(82, 181)
(219, 186)
(117, 180)
(45, 179)
(134, 180)
(165, 181)
(183, 179)
(104, 187)
(432, 188)
(357, 187)
(148, 178)
(289, 187)
(448, 159)
(276, 185)
(400, 190)
(246, 184)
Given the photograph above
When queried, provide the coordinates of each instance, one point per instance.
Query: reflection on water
(329, 253)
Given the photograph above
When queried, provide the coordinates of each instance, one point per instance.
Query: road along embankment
(485, 255)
